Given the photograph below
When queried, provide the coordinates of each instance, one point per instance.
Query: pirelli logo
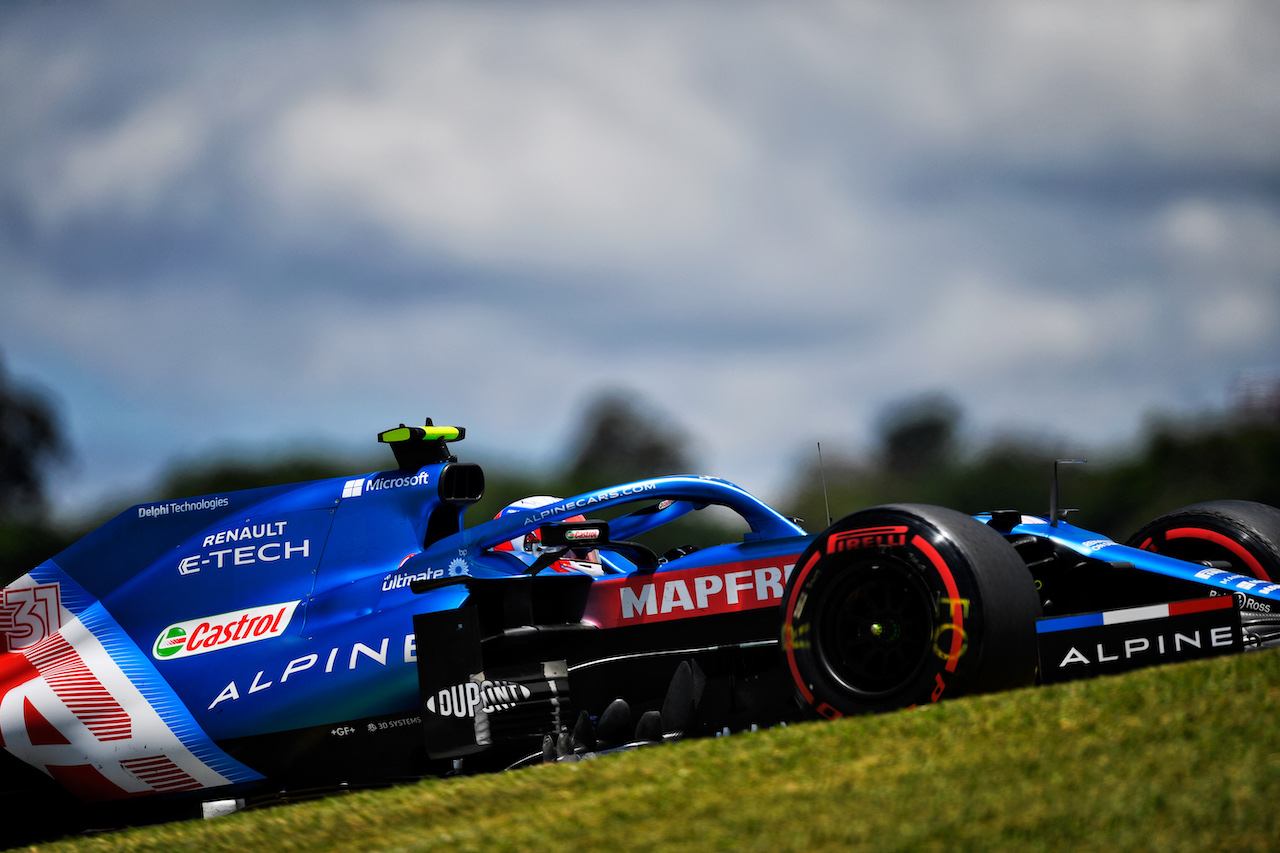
(867, 537)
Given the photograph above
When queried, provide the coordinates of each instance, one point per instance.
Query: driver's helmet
(529, 546)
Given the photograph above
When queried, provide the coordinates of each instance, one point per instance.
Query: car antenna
(822, 472)
(1054, 512)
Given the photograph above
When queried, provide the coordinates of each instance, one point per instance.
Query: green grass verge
(1183, 757)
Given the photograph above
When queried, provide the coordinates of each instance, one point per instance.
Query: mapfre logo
(704, 590)
(210, 633)
(867, 537)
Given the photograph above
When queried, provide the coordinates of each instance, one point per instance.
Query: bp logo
(171, 642)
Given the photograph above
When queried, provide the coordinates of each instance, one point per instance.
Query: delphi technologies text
(174, 507)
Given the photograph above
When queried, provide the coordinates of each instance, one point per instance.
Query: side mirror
(559, 536)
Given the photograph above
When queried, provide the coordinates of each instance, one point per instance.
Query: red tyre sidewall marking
(827, 711)
(953, 593)
(1223, 541)
(787, 630)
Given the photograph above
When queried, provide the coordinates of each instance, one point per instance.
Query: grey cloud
(237, 216)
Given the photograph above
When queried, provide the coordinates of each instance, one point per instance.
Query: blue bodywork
(1093, 546)
(346, 561)
(198, 623)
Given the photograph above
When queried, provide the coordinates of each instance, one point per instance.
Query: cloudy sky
(285, 225)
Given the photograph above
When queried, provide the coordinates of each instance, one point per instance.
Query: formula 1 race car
(194, 654)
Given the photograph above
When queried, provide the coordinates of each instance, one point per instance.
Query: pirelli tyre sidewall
(903, 605)
(1242, 533)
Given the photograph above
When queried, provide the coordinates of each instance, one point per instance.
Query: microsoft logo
(353, 488)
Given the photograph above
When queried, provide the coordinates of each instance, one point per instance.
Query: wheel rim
(875, 629)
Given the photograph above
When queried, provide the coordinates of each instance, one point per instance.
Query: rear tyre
(906, 604)
(1243, 534)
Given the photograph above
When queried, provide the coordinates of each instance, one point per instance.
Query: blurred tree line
(919, 456)
(30, 444)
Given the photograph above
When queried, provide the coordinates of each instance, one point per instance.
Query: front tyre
(1242, 534)
(906, 604)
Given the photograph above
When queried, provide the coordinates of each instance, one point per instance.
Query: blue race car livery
(215, 649)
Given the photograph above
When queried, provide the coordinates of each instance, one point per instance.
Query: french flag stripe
(1069, 623)
(1133, 614)
(1220, 602)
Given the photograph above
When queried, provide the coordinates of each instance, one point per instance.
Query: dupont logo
(210, 633)
(867, 537)
(462, 700)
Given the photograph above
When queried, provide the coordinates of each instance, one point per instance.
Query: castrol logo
(235, 628)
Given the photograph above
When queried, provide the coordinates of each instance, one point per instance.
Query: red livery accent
(40, 731)
(15, 669)
(663, 596)
(79, 688)
(1221, 602)
(160, 773)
